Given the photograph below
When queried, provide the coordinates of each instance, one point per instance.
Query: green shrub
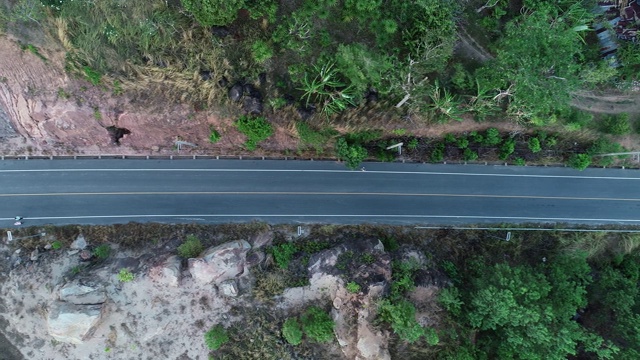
(125, 275)
(449, 298)
(580, 161)
(519, 161)
(431, 336)
(214, 136)
(507, 149)
(102, 252)
(413, 144)
(492, 137)
(534, 145)
(216, 337)
(213, 12)
(450, 138)
(353, 287)
(261, 51)
(56, 245)
(317, 324)
(367, 258)
(616, 124)
(292, 331)
(256, 130)
(476, 137)
(352, 155)
(190, 248)
(469, 155)
(92, 75)
(316, 138)
(390, 244)
(283, 254)
(401, 315)
(462, 143)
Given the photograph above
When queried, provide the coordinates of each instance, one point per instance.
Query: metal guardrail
(243, 157)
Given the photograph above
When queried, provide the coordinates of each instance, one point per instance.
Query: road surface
(216, 191)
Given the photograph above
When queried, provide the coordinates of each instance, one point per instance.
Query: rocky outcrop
(79, 243)
(168, 272)
(220, 263)
(71, 323)
(229, 288)
(81, 292)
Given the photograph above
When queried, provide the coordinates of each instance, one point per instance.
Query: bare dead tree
(487, 5)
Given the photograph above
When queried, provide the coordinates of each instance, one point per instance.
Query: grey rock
(255, 258)
(34, 255)
(236, 92)
(253, 105)
(79, 243)
(261, 240)
(229, 288)
(82, 292)
(72, 323)
(171, 270)
(220, 263)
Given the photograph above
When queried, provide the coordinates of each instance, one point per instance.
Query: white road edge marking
(133, 217)
(360, 173)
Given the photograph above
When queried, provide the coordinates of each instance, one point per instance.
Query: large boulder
(79, 243)
(71, 323)
(80, 292)
(220, 263)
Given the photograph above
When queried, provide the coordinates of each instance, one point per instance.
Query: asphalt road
(216, 191)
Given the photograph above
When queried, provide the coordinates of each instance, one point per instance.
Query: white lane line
(359, 173)
(480, 217)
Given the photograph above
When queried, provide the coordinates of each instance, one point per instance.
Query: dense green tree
(537, 63)
(525, 312)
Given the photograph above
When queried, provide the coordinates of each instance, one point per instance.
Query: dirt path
(612, 102)
(470, 48)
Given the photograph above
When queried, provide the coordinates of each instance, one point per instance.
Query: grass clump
(314, 138)
(102, 252)
(256, 129)
(125, 276)
(317, 324)
(283, 254)
(56, 245)
(93, 76)
(216, 337)
(191, 247)
(353, 287)
(292, 331)
(616, 124)
(214, 136)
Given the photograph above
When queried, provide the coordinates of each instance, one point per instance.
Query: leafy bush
(351, 154)
(476, 137)
(450, 138)
(390, 243)
(534, 145)
(102, 252)
(292, 331)
(449, 298)
(190, 248)
(462, 143)
(283, 254)
(507, 149)
(437, 155)
(431, 336)
(214, 136)
(519, 161)
(353, 287)
(580, 161)
(492, 137)
(256, 130)
(616, 124)
(213, 12)
(413, 144)
(56, 245)
(261, 51)
(401, 315)
(317, 324)
(125, 275)
(216, 337)
(469, 155)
